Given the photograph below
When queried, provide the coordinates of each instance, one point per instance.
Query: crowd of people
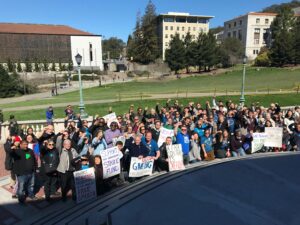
(207, 132)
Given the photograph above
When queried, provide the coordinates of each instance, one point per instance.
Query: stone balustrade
(37, 126)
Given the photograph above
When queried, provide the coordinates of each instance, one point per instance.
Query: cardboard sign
(175, 157)
(109, 118)
(258, 141)
(274, 137)
(111, 162)
(140, 167)
(121, 138)
(164, 133)
(85, 184)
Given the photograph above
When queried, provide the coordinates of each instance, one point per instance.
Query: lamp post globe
(83, 114)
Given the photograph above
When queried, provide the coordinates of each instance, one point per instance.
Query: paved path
(151, 96)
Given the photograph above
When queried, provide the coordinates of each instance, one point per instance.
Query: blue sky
(117, 17)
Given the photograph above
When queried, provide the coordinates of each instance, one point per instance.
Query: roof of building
(252, 14)
(22, 28)
(181, 14)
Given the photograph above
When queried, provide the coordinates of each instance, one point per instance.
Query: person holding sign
(152, 147)
(162, 161)
(184, 139)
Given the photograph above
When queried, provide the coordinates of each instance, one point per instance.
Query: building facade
(49, 43)
(171, 23)
(252, 29)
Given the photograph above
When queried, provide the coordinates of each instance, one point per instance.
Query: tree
(70, 65)
(19, 67)
(28, 66)
(277, 8)
(175, 55)
(53, 67)
(281, 51)
(209, 51)
(46, 65)
(190, 49)
(296, 41)
(129, 47)
(10, 66)
(263, 57)
(199, 54)
(231, 51)
(114, 46)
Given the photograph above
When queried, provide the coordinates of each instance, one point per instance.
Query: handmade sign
(110, 162)
(175, 157)
(164, 133)
(140, 167)
(274, 137)
(85, 184)
(258, 141)
(109, 118)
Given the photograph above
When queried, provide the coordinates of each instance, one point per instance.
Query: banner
(175, 157)
(109, 118)
(85, 184)
(258, 141)
(140, 167)
(274, 137)
(120, 138)
(164, 133)
(110, 162)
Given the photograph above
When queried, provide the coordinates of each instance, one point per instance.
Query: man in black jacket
(24, 167)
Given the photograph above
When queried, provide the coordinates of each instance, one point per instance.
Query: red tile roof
(20, 28)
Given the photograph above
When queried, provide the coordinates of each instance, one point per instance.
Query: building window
(178, 28)
(240, 35)
(234, 34)
(201, 29)
(256, 41)
(166, 28)
(167, 44)
(194, 28)
(257, 52)
(171, 36)
(166, 36)
(171, 27)
(266, 21)
(189, 29)
(203, 21)
(257, 21)
(229, 34)
(182, 36)
(169, 19)
(182, 28)
(180, 19)
(241, 22)
(229, 25)
(234, 24)
(192, 19)
(266, 36)
(253, 52)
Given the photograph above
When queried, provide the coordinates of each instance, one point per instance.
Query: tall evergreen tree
(296, 41)
(19, 67)
(200, 51)
(175, 55)
(10, 65)
(28, 66)
(281, 51)
(190, 50)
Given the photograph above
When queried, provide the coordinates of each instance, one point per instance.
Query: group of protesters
(220, 130)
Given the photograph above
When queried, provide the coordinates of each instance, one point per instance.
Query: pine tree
(190, 49)
(53, 67)
(199, 54)
(281, 51)
(129, 48)
(175, 55)
(19, 67)
(296, 41)
(70, 65)
(45, 65)
(10, 66)
(28, 66)
(135, 46)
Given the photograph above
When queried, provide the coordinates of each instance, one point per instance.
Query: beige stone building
(181, 23)
(252, 29)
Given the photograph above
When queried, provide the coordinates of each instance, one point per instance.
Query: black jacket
(8, 159)
(49, 159)
(24, 161)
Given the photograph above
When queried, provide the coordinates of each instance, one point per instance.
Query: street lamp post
(242, 99)
(83, 114)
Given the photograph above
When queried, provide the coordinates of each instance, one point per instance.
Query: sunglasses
(50, 144)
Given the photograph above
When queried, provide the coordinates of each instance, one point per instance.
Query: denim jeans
(239, 152)
(25, 186)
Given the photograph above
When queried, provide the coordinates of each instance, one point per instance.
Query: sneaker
(33, 198)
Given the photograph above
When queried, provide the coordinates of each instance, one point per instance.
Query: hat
(18, 138)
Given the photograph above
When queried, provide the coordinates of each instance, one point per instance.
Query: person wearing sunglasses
(49, 163)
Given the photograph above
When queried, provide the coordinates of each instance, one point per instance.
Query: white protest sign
(175, 157)
(274, 137)
(120, 138)
(164, 133)
(109, 118)
(258, 141)
(111, 162)
(85, 184)
(140, 167)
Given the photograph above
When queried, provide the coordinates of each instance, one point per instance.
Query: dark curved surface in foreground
(260, 191)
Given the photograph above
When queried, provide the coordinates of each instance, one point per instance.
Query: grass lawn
(122, 107)
(262, 80)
